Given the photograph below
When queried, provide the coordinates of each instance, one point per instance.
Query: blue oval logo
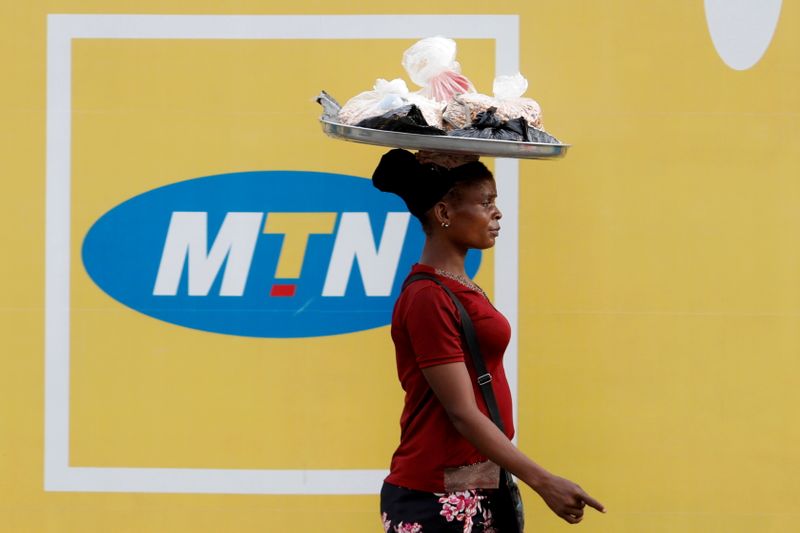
(260, 254)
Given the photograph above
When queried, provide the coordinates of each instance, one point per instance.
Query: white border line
(61, 30)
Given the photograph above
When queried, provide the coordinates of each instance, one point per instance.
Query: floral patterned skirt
(470, 511)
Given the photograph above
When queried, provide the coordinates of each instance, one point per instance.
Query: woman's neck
(443, 255)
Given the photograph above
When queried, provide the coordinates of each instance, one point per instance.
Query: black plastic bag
(534, 135)
(488, 126)
(406, 119)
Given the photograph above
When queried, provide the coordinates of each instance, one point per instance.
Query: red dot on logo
(282, 289)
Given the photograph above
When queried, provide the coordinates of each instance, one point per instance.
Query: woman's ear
(440, 214)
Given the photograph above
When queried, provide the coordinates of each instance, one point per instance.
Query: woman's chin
(488, 244)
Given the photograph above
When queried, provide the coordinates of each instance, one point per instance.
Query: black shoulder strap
(484, 378)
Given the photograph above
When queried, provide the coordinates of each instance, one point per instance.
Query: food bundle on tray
(446, 105)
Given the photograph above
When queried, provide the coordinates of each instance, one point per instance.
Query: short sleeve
(433, 327)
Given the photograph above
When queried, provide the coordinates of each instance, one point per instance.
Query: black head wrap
(420, 185)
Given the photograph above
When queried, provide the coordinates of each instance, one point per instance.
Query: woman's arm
(453, 386)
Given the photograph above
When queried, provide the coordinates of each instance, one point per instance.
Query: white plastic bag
(506, 87)
(431, 64)
(508, 91)
(384, 96)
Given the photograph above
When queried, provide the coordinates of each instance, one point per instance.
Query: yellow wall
(659, 293)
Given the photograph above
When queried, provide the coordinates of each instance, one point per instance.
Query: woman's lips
(495, 232)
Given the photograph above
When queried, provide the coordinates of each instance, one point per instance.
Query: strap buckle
(484, 379)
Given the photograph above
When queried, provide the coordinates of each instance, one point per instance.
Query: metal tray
(443, 143)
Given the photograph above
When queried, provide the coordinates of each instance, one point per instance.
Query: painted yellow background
(659, 289)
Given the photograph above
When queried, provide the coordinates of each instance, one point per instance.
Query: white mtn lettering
(187, 252)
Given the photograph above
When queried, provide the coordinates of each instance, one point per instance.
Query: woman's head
(458, 201)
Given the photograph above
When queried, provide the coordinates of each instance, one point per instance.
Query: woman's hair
(422, 185)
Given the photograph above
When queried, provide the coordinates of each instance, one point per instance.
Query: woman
(445, 473)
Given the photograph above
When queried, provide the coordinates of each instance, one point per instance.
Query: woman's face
(473, 215)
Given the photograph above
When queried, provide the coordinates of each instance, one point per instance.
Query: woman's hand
(452, 385)
(565, 498)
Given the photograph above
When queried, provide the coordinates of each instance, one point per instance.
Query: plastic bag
(507, 101)
(508, 91)
(431, 64)
(464, 109)
(407, 119)
(384, 96)
(330, 107)
(535, 135)
(488, 125)
(431, 109)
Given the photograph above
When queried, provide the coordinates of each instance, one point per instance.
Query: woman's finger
(591, 502)
(574, 511)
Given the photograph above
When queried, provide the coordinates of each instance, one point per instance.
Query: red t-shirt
(426, 332)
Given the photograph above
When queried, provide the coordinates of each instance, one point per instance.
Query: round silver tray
(443, 143)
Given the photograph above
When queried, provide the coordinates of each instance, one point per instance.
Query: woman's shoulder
(460, 289)
(423, 293)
